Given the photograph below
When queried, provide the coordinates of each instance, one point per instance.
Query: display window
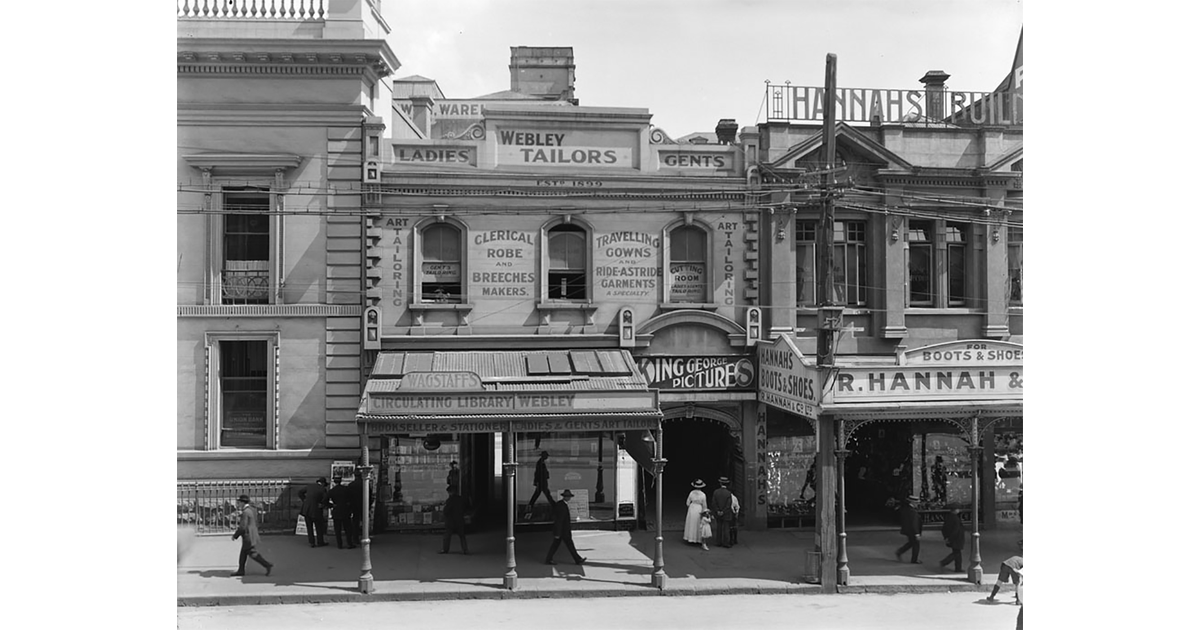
(417, 472)
(788, 470)
(1008, 459)
(600, 475)
(944, 474)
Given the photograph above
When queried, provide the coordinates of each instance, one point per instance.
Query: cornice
(268, 310)
(203, 56)
(269, 115)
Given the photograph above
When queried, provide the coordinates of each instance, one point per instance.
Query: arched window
(441, 264)
(689, 265)
(567, 263)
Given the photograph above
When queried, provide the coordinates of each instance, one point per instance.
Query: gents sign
(786, 381)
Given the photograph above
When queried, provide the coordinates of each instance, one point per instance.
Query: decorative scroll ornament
(658, 136)
(474, 132)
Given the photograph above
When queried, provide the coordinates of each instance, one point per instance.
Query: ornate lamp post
(366, 581)
(510, 486)
(975, 571)
(659, 578)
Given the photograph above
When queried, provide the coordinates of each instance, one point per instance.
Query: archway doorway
(694, 448)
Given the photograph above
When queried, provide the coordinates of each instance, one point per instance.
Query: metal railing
(252, 9)
(212, 508)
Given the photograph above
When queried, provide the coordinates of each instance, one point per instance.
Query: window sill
(699, 306)
(847, 310)
(929, 310)
(440, 306)
(566, 306)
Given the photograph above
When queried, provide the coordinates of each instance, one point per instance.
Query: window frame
(418, 285)
(586, 271)
(214, 397)
(1015, 242)
(942, 250)
(806, 226)
(214, 293)
(706, 230)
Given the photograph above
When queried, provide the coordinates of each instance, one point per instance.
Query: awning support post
(510, 488)
(843, 558)
(975, 571)
(659, 578)
(366, 581)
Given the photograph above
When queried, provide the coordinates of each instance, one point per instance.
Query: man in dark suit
(356, 504)
(248, 531)
(910, 527)
(343, 508)
(562, 529)
(315, 499)
(955, 536)
(722, 509)
(541, 483)
(454, 513)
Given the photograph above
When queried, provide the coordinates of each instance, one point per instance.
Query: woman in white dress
(696, 504)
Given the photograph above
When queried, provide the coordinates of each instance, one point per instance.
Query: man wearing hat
(343, 508)
(248, 531)
(910, 527)
(315, 499)
(722, 507)
(541, 483)
(562, 529)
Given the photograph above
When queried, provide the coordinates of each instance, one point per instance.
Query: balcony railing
(245, 282)
(252, 9)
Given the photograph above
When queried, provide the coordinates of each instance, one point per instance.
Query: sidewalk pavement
(619, 563)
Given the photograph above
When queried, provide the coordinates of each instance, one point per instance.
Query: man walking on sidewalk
(454, 513)
(955, 537)
(248, 531)
(910, 527)
(562, 529)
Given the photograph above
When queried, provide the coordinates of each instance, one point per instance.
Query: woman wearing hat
(697, 504)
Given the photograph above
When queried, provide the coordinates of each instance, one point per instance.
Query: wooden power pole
(829, 318)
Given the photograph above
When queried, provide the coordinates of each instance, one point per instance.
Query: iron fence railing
(211, 506)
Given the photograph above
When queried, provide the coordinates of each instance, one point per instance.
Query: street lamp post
(975, 571)
(843, 559)
(510, 483)
(659, 578)
(366, 581)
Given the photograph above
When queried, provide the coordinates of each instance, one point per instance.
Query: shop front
(940, 422)
(488, 424)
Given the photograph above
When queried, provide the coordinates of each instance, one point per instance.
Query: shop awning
(924, 410)
(527, 391)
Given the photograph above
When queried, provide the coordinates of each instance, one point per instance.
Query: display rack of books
(416, 481)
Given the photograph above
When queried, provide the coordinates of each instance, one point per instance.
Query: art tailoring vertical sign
(395, 245)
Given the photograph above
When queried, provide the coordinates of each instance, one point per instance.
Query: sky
(694, 62)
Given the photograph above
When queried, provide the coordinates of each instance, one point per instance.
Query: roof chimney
(544, 72)
(935, 94)
(726, 130)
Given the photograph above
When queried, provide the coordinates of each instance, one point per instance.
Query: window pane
(441, 243)
(956, 273)
(806, 275)
(243, 376)
(1015, 264)
(920, 273)
(687, 244)
(688, 282)
(567, 248)
(920, 232)
(567, 286)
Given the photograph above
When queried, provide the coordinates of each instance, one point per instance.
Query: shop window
(849, 263)
(1016, 261)
(1008, 459)
(689, 264)
(567, 263)
(599, 474)
(244, 394)
(246, 246)
(939, 263)
(417, 478)
(441, 264)
(943, 475)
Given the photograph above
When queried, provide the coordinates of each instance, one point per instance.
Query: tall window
(246, 271)
(956, 263)
(920, 263)
(567, 271)
(441, 264)
(849, 262)
(689, 264)
(1016, 262)
(243, 382)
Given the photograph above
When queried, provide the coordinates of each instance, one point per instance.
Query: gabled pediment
(1009, 162)
(849, 141)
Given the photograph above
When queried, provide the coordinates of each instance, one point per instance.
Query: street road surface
(925, 611)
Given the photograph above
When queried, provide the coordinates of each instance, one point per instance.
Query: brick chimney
(726, 130)
(544, 72)
(935, 94)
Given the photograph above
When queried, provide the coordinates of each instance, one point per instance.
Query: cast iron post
(366, 581)
(843, 559)
(975, 571)
(510, 486)
(659, 577)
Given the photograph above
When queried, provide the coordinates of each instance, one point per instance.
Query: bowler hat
(245, 498)
(567, 494)
(699, 483)
(914, 498)
(322, 481)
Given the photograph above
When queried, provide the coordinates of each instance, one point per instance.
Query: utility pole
(829, 319)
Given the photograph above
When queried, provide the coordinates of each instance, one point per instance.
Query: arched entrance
(702, 445)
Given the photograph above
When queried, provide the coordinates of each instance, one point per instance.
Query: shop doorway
(878, 470)
(694, 449)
